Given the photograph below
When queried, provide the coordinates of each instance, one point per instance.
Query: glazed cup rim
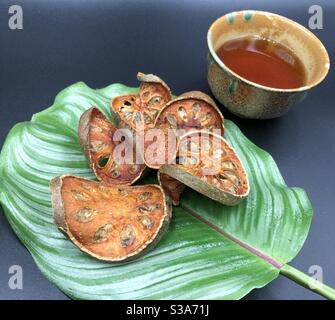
(255, 84)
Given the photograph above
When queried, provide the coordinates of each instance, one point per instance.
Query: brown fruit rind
(101, 221)
(95, 137)
(172, 187)
(216, 191)
(139, 111)
(151, 78)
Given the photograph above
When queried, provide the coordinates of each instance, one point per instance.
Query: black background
(101, 42)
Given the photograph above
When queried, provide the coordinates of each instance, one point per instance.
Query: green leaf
(210, 252)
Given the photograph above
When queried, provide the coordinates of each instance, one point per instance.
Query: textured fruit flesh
(101, 147)
(178, 118)
(210, 158)
(109, 222)
(190, 114)
(139, 111)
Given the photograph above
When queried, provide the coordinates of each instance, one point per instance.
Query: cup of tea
(260, 64)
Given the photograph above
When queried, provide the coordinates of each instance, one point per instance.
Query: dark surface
(102, 42)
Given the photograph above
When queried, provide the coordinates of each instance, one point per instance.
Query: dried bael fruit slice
(139, 111)
(96, 138)
(110, 223)
(172, 187)
(209, 165)
(190, 111)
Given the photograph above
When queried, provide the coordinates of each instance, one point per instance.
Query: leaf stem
(308, 282)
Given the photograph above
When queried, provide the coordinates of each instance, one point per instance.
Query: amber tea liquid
(264, 62)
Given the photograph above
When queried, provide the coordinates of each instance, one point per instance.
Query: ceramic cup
(246, 98)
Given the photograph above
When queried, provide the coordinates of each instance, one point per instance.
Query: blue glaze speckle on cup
(247, 16)
(232, 86)
(230, 18)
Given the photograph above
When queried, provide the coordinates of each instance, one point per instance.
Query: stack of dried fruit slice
(110, 220)
(114, 221)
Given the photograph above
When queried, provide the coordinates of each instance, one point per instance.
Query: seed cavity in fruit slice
(122, 192)
(115, 170)
(155, 101)
(110, 226)
(149, 208)
(103, 233)
(195, 110)
(182, 113)
(146, 221)
(85, 214)
(127, 236)
(205, 119)
(80, 196)
(144, 196)
(171, 118)
(133, 168)
(139, 111)
(219, 173)
(96, 138)
(103, 160)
